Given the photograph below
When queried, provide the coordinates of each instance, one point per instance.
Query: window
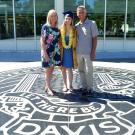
(42, 8)
(115, 18)
(95, 9)
(131, 19)
(24, 18)
(6, 20)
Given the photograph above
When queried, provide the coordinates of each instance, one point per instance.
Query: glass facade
(21, 21)
(95, 9)
(6, 20)
(41, 9)
(130, 19)
(24, 19)
(115, 18)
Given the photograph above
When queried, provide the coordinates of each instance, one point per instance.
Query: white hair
(82, 7)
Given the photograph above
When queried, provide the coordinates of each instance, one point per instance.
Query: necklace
(63, 34)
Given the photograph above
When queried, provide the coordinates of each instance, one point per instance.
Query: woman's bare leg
(70, 78)
(64, 74)
(48, 75)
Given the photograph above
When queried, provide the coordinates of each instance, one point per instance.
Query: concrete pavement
(17, 65)
(25, 108)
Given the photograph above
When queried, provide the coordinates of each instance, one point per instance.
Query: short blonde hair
(48, 21)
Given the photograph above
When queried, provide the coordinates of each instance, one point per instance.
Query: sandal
(65, 89)
(71, 89)
(49, 92)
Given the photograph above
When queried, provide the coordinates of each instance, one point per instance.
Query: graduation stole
(63, 34)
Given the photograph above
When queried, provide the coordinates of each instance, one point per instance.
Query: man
(87, 33)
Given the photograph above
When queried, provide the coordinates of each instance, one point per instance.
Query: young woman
(68, 50)
(50, 51)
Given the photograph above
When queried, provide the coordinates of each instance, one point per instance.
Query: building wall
(21, 22)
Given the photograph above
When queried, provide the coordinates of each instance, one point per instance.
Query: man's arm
(93, 49)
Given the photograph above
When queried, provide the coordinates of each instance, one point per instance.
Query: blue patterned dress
(51, 36)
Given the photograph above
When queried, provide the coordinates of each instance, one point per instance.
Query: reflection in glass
(115, 18)
(42, 8)
(72, 4)
(131, 19)
(95, 9)
(24, 18)
(6, 20)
